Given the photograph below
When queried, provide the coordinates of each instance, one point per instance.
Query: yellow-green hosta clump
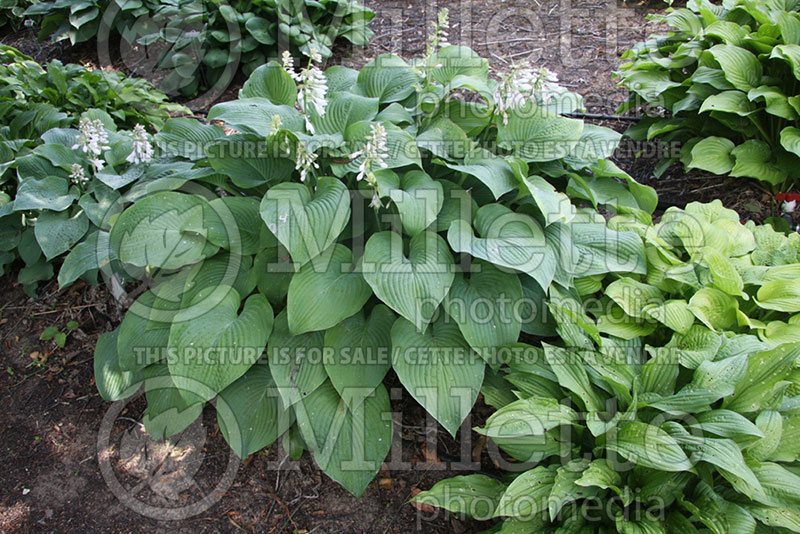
(670, 403)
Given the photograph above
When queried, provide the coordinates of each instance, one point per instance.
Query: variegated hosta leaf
(413, 286)
(438, 368)
(306, 226)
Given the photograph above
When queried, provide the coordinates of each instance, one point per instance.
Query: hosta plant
(11, 13)
(201, 44)
(364, 216)
(671, 403)
(722, 84)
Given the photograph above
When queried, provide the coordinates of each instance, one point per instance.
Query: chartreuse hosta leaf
(325, 291)
(474, 495)
(780, 295)
(712, 154)
(213, 349)
(306, 226)
(361, 353)
(438, 368)
(482, 303)
(295, 361)
(766, 372)
(250, 413)
(165, 230)
(507, 239)
(413, 286)
(349, 443)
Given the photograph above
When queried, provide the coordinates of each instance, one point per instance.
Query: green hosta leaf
(714, 308)
(400, 147)
(553, 205)
(781, 486)
(568, 366)
(565, 489)
(143, 341)
(254, 116)
(168, 412)
(483, 306)
(765, 374)
(454, 61)
(344, 109)
(527, 495)
(599, 250)
(250, 414)
(675, 314)
(325, 291)
(57, 232)
(494, 172)
(721, 376)
(49, 193)
(538, 135)
(787, 518)
(113, 383)
(306, 226)
(387, 78)
(413, 286)
(600, 474)
(790, 140)
(438, 368)
(216, 348)
(791, 53)
(508, 239)
(418, 198)
(727, 424)
(776, 102)
(649, 446)
(360, 353)
(295, 361)
(741, 67)
(248, 164)
(693, 347)
(85, 257)
(528, 417)
(729, 102)
(780, 295)
(166, 230)
(242, 227)
(270, 81)
(349, 444)
(475, 496)
(771, 425)
(187, 138)
(754, 160)
(712, 154)
(633, 296)
(444, 139)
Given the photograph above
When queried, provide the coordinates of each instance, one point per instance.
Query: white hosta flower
(93, 138)
(313, 88)
(789, 207)
(288, 62)
(78, 176)
(524, 83)
(275, 125)
(374, 154)
(376, 200)
(305, 161)
(142, 149)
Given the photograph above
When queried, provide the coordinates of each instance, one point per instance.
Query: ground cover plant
(722, 84)
(670, 401)
(65, 127)
(202, 43)
(360, 215)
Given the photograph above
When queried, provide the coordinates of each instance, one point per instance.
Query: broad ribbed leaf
(325, 291)
(306, 226)
(538, 135)
(712, 154)
(418, 198)
(740, 66)
(438, 368)
(272, 82)
(360, 353)
(57, 232)
(527, 495)
(780, 295)
(254, 115)
(295, 361)
(387, 78)
(413, 286)
(648, 446)
(473, 495)
(112, 382)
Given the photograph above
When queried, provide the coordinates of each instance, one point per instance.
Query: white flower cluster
(313, 85)
(78, 176)
(521, 84)
(374, 154)
(305, 161)
(440, 33)
(92, 139)
(275, 125)
(142, 149)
